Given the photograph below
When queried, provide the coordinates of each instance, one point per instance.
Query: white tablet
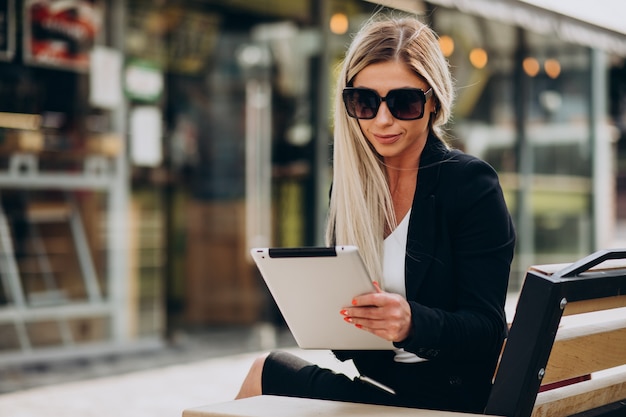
(310, 286)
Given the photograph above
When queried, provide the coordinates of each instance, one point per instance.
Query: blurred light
(531, 66)
(446, 43)
(339, 23)
(478, 57)
(552, 67)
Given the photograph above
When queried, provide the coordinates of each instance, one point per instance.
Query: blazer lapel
(421, 240)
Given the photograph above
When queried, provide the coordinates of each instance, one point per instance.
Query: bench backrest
(570, 322)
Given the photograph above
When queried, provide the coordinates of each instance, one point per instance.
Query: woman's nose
(384, 116)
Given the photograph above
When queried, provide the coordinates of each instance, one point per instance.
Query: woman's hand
(384, 314)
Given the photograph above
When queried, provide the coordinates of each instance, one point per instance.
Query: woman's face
(399, 142)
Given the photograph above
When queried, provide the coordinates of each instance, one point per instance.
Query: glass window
(523, 106)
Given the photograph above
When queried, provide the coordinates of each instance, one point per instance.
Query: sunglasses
(403, 103)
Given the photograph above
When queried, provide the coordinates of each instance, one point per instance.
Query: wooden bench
(569, 325)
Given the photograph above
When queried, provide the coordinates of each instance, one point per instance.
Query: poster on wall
(7, 30)
(61, 33)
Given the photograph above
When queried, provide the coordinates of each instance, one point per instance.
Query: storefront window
(60, 182)
(524, 108)
(239, 120)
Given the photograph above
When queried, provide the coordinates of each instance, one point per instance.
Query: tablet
(310, 286)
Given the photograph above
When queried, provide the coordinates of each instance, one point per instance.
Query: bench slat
(275, 406)
(578, 307)
(582, 396)
(578, 340)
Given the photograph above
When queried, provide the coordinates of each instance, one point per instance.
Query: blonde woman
(430, 222)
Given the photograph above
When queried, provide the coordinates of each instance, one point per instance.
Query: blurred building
(145, 146)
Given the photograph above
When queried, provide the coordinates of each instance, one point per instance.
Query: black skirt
(419, 385)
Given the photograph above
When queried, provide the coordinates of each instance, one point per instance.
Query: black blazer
(459, 250)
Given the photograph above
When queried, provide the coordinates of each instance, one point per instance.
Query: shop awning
(594, 23)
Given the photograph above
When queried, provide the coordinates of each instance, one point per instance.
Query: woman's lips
(387, 139)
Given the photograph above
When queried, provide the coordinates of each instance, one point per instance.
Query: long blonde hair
(360, 203)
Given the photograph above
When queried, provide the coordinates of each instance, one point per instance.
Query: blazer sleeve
(469, 278)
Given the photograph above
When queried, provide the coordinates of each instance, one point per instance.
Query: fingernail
(353, 301)
(344, 312)
(358, 326)
(348, 319)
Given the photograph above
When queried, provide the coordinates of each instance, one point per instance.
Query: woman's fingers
(383, 314)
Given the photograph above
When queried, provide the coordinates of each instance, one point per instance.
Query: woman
(429, 221)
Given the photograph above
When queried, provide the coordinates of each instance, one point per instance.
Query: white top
(393, 273)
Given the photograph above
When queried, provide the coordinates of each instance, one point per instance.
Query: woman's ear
(436, 108)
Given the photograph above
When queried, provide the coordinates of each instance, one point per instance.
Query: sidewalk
(161, 392)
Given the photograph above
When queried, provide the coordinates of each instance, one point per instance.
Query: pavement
(155, 384)
(161, 392)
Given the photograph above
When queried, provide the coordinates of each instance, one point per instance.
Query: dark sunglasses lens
(362, 104)
(406, 104)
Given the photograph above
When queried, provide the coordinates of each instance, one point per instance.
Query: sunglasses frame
(426, 95)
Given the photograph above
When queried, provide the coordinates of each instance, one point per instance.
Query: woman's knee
(253, 383)
(259, 363)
